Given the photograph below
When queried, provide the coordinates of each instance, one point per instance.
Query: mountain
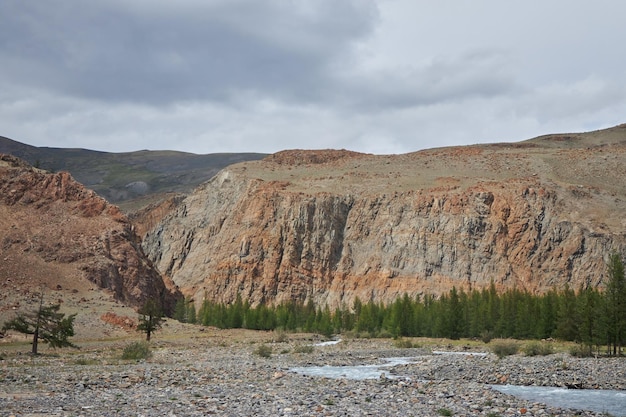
(62, 239)
(132, 180)
(329, 226)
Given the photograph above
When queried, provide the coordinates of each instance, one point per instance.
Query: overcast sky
(379, 76)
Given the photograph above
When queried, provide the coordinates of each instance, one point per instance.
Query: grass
(535, 348)
(444, 412)
(85, 361)
(581, 351)
(303, 349)
(137, 351)
(402, 343)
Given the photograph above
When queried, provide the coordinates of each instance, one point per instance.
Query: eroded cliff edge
(332, 225)
(55, 233)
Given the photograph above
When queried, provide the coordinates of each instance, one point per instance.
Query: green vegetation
(303, 349)
(185, 311)
(505, 348)
(45, 324)
(137, 351)
(535, 348)
(150, 318)
(587, 316)
(444, 412)
(263, 351)
(403, 343)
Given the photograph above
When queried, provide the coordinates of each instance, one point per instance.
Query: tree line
(586, 315)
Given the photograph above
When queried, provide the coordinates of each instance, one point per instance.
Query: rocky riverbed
(221, 373)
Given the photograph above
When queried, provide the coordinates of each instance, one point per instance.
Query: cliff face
(55, 232)
(342, 225)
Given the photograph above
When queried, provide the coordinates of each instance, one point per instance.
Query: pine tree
(45, 324)
(150, 318)
(589, 306)
(180, 310)
(615, 305)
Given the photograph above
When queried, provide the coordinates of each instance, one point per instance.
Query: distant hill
(131, 180)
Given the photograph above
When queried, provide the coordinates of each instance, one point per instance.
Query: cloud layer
(385, 76)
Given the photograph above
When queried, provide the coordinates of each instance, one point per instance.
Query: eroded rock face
(53, 226)
(273, 232)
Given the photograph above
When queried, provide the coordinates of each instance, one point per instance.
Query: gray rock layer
(238, 234)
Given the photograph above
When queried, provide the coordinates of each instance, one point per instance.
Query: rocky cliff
(332, 225)
(55, 233)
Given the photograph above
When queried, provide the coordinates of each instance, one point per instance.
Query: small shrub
(581, 351)
(303, 349)
(383, 334)
(403, 343)
(137, 351)
(84, 361)
(263, 351)
(486, 336)
(281, 337)
(505, 348)
(538, 349)
(444, 412)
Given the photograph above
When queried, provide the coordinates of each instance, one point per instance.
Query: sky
(376, 76)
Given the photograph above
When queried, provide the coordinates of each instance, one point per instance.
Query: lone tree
(45, 324)
(150, 318)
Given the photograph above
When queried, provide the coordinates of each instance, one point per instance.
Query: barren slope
(59, 237)
(333, 225)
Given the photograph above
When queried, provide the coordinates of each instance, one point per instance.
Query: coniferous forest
(588, 316)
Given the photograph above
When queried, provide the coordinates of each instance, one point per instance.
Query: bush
(137, 351)
(486, 336)
(263, 351)
(538, 349)
(403, 343)
(303, 349)
(505, 348)
(281, 337)
(84, 361)
(581, 351)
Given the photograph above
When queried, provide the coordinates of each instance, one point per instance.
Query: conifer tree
(615, 305)
(150, 318)
(45, 324)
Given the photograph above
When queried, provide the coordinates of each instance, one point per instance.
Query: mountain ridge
(336, 225)
(131, 180)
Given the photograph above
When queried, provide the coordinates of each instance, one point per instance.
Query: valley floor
(198, 371)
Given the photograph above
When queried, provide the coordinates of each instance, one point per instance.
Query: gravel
(229, 379)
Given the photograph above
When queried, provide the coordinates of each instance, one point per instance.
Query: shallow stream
(604, 401)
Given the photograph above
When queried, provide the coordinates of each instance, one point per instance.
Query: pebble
(233, 381)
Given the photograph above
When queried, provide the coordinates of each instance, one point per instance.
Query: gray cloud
(383, 76)
(155, 52)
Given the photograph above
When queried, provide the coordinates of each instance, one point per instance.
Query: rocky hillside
(132, 180)
(59, 237)
(332, 225)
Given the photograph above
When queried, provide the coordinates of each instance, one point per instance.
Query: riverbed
(213, 372)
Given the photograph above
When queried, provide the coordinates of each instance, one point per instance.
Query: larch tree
(150, 318)
(615, 305)
(46, 324)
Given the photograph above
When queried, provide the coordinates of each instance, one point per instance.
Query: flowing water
(352, 372)
(603, 401)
